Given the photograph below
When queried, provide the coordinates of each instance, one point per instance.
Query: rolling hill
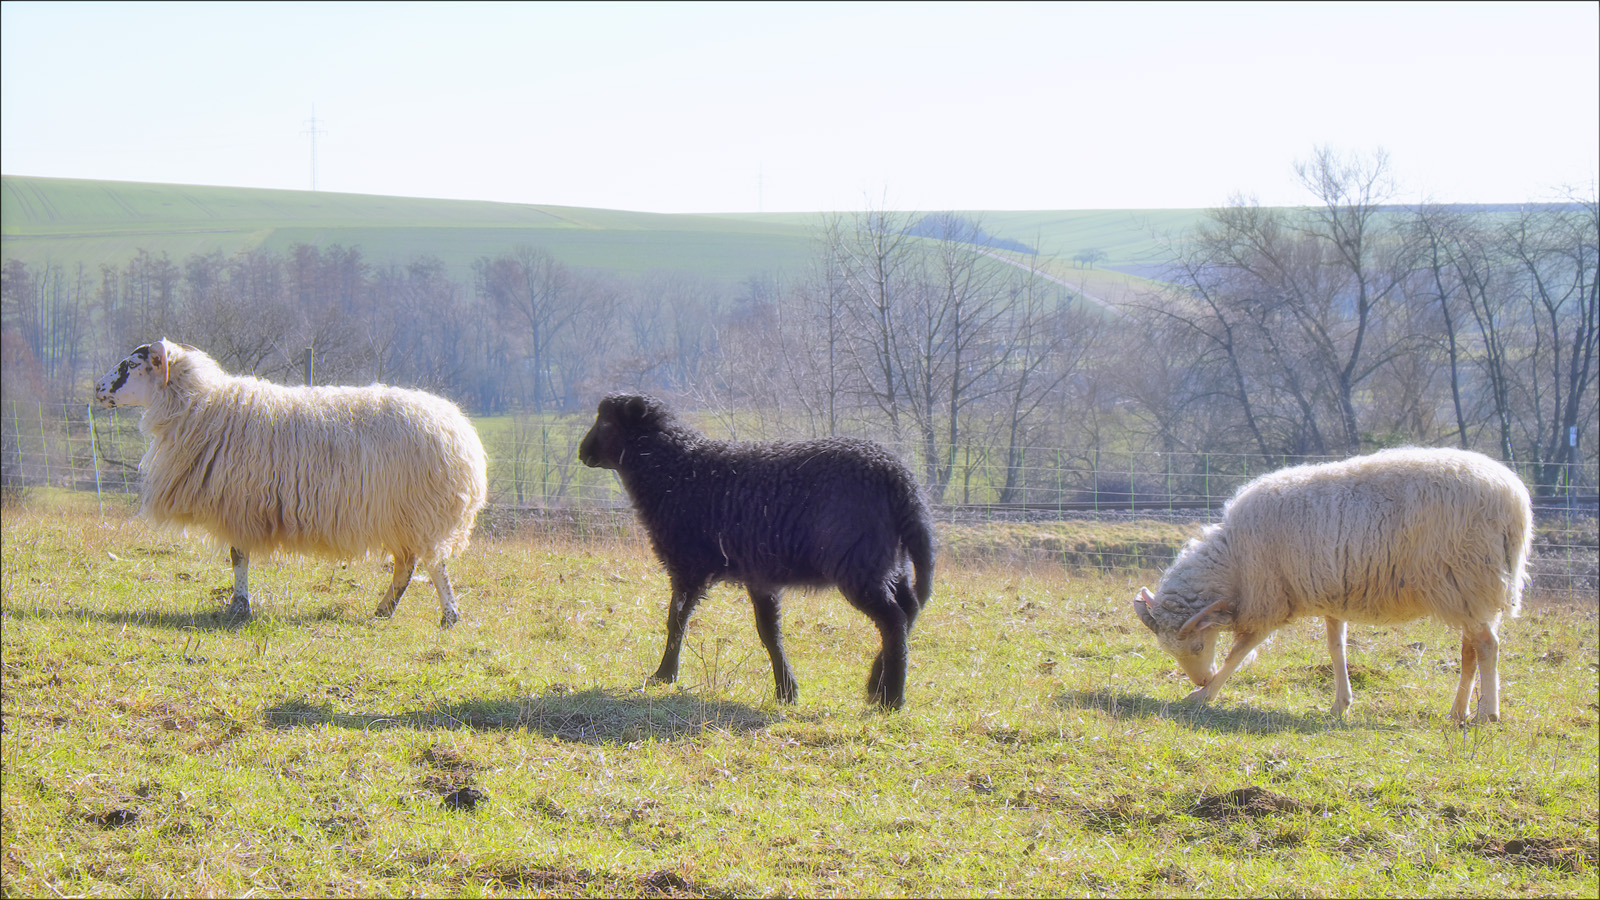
(66, 221)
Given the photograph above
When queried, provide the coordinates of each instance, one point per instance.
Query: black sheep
(837, 512)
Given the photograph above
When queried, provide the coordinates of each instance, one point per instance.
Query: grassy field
(67, 221)
(147, 749)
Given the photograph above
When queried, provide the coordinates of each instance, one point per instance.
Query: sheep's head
(618, 417)
(1188, 636)
(135, 380)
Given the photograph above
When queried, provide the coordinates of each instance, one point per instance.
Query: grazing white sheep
(331, 471)
(1378, 539)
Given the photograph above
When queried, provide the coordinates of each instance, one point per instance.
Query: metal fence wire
(537, 482)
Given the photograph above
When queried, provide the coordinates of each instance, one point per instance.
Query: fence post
(94, 454)
(112, 434)
(544, 460)
(66, 429)
(44, 445)
(1059, 499)
(16, 426)
(1097, 480)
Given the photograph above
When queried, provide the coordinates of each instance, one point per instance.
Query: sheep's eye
(1196, 646)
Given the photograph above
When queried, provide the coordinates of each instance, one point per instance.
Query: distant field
(1128, 237)
(67, 221)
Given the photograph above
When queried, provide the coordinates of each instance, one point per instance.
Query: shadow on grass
(1225, 719)
(592, 716)
(210, 618)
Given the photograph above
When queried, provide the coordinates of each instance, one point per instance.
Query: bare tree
(1437, 237)
(531, 288)
(582, 349)
(1555, 256)
(239, 311)
(1350, 192)
(771, 363)
(1242, 274)
(1297, 305)
(437, 357)
(874, 256)
(951, 345)
(828, 296)
(1086, 259)
(670, 323)
(1048, 339)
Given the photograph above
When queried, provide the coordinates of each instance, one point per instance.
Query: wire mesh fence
(1082, 507)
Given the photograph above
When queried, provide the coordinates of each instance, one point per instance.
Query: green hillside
(1128, 237)
(66, 221)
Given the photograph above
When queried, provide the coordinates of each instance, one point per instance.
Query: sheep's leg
(1244, 645)
(887, 685)
(404, 564)
(1488, 646)
(769, 626)
(1469, 672)
(239, 608)
(1341, 669)
(886, 681)
(685, 595)
(906, 596)
(448, 614)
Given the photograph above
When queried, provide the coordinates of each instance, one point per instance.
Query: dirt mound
(1245, 802)
(1562, 854)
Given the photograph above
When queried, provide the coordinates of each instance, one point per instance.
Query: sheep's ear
(1141, 608)
(161, 359)
(1218, 613)
(634, 408)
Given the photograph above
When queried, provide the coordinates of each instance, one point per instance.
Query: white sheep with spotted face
(337, 472)
(1378, 539)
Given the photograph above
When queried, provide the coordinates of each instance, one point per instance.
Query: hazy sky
(686, 107)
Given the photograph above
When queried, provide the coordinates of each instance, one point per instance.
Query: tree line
(1284, 333)
(1346, 324)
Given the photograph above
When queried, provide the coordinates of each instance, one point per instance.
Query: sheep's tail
(920, 548)
(916, 535)
(1519, 550)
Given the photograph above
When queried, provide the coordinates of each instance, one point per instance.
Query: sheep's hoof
(238, 610)
(875, 685)
(448, 619)
(878, 695)
(662, 678)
